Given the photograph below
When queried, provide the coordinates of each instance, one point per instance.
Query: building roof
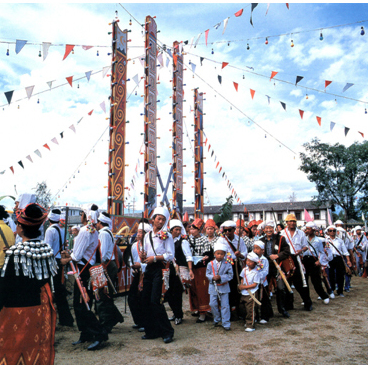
(277, 207)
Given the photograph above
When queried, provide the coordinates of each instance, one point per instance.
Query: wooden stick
(283, 276)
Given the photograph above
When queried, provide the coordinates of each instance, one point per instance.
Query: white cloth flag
(167, 61)
(103, 107)
(142, 61)
(29, 91)
(196, 42)
(29, 158)
(160, 59)
(193, 67)
(38, 153)
(268, 5)
(135, 78)
(72, 128)
(191, 42)
(55, 140)
(180, 48)
(105, 70)
(50, 84)
(225, 24)
(45, 49)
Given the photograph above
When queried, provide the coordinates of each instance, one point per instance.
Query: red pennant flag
(68, 49)
(90, 113)
(46, 146)
(236, 86)
(220, 169)
(238, 200)
(327, 83)
(206, 35)
(319, 120)
(362, 134)
(287, 5)
(205, 142)
(252, 92)
(12, 170)
(273, 74)
(70, 80)
(224, 64)
(209, 146)
(218, 162)
(301, 112)
(239, 13)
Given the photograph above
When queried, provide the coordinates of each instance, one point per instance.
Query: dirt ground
(330, 334)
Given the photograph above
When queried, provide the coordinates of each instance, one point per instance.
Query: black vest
(180, 258)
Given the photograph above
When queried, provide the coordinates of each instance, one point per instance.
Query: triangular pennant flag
(239, 13)
(47, 146)
(301, 112)
(105, 70)
(252, 92)
(254, 5)
(62, 135)
(88, 75)
(298, 78)
(9, 95)
(346, 131)
(21, 164)
(283, 105)
(332, 124)
(70, 80)
(347, 86)
(68, 49)
(197, 40)
(273, 74)
(86, 48)
(219, 78)
(160, 59)
(29, 158)
(79, 121)
(72, 128)
(319, 120)
(287, 5)
(268, 6)
(224, 64)
(236, 86)
(103, 107)
(217, 26)
(212, 153)
(135, 78)
(225, 24)
(11, 168)
(327, 83)
(201, 59)
(218, 162)
(191, 43)
(141, 60)
(45, 49)
(362, 134)
(19, 45)
(38, 153)
(206, 35)
(29, 91)
(215, 158)
(55, 140)
(193, 67)
(49, 83)
(269, 99)
(209, 147)
(220, 169)
(90, 113)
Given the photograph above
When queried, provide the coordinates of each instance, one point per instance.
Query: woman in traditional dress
(27, 315)
(210, 227)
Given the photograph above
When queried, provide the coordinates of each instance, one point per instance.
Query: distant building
(74, 214)
(270, 211)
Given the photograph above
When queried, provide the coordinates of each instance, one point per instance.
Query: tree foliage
(43, 195)
(225, 211)
(340, 173)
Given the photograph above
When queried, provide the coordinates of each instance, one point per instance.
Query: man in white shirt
(298, 244)
(55, 238)
(360, 243)
(159, 249)
(107, 311)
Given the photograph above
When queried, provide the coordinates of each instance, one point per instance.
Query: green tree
(43, 195)
(225, 211)
(339, 172)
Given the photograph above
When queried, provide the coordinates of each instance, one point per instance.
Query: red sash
(291, 242)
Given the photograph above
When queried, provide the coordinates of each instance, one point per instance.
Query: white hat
(177, 223)
(260, 244)
(228, 224)
(340, 229)
(92, 215)
(339, 222)
(76, 227)
(332, 226)
(162, 211)
(102, 218)
(145, 227)
(270, 224)
(357, 228)
(220, 245)
(311, 225)
(261, 226)
(54, 216)
(25, 199)
(253, 257)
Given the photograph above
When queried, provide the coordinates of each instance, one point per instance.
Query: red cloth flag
(362, 134)
(287, 5)
(224, 64)
(47, 146)
(68, 49)
(236, 86)
(90, 113)
(327, 83)
(319, 120)
(12, 169)
(252, 92)
(239, 13)
(209, 147)
(220, 169)
(70, 80)
(218, 162)
(273, 74)
(301, 112)
(206, 35)
(307, 217)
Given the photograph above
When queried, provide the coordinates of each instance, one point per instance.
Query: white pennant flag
(268, 5)
(50, 83)
(45, 49)
(196, 42)
(225, 24)
(193, 67)
(29, 91)
(105, 70)
(86, 48)
(160, 59)
(135, 78)
(55, 140)
(29, 158)
(141, 59)
(72, 128)
(88, 75)
(191, 42)
(180, 48)
(167, 62)
(268, 97)
(103, 107)
(38, 153)
(2, 172)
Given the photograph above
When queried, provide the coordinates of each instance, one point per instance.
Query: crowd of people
(229, 270)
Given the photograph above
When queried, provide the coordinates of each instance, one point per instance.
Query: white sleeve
(169, 248)
(105, 240)
(186, 250)
(135, 253)
(80, 245)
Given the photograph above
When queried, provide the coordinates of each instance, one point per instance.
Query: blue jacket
(226, 274)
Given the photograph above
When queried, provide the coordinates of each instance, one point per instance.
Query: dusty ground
(332, 334)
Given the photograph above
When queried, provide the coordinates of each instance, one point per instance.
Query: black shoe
(308, 308)
(141, 329)
(78, 342)
(201, 320)
(195, 314)
(94, 346)
(172, 318)
(136, 326)
(285, 314)
(146, 337)
(169, 339)
(178, 320)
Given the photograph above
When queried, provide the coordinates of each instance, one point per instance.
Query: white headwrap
(145, 227)
(338, 222)
(260, 244)
(92, 215)
(76, 227)
(253, 257)
(162, 211)
(261, 226)
(177, 223)
(220, 244)
(228, 224)
(25, 199)
(332, 226)
(270, 224)
(311, 225)
(102, 218)
(357, 228)
(54, 217)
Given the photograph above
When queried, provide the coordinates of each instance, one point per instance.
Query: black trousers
(88, 324)
(107, 312)
(156, 322)
(174, 295)
(337, 274)
(314, 272)
(298, 283)
(135, 301)
(62, 306)
(234, 295)
(263, 296)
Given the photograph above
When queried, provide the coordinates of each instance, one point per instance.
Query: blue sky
(259, 169)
